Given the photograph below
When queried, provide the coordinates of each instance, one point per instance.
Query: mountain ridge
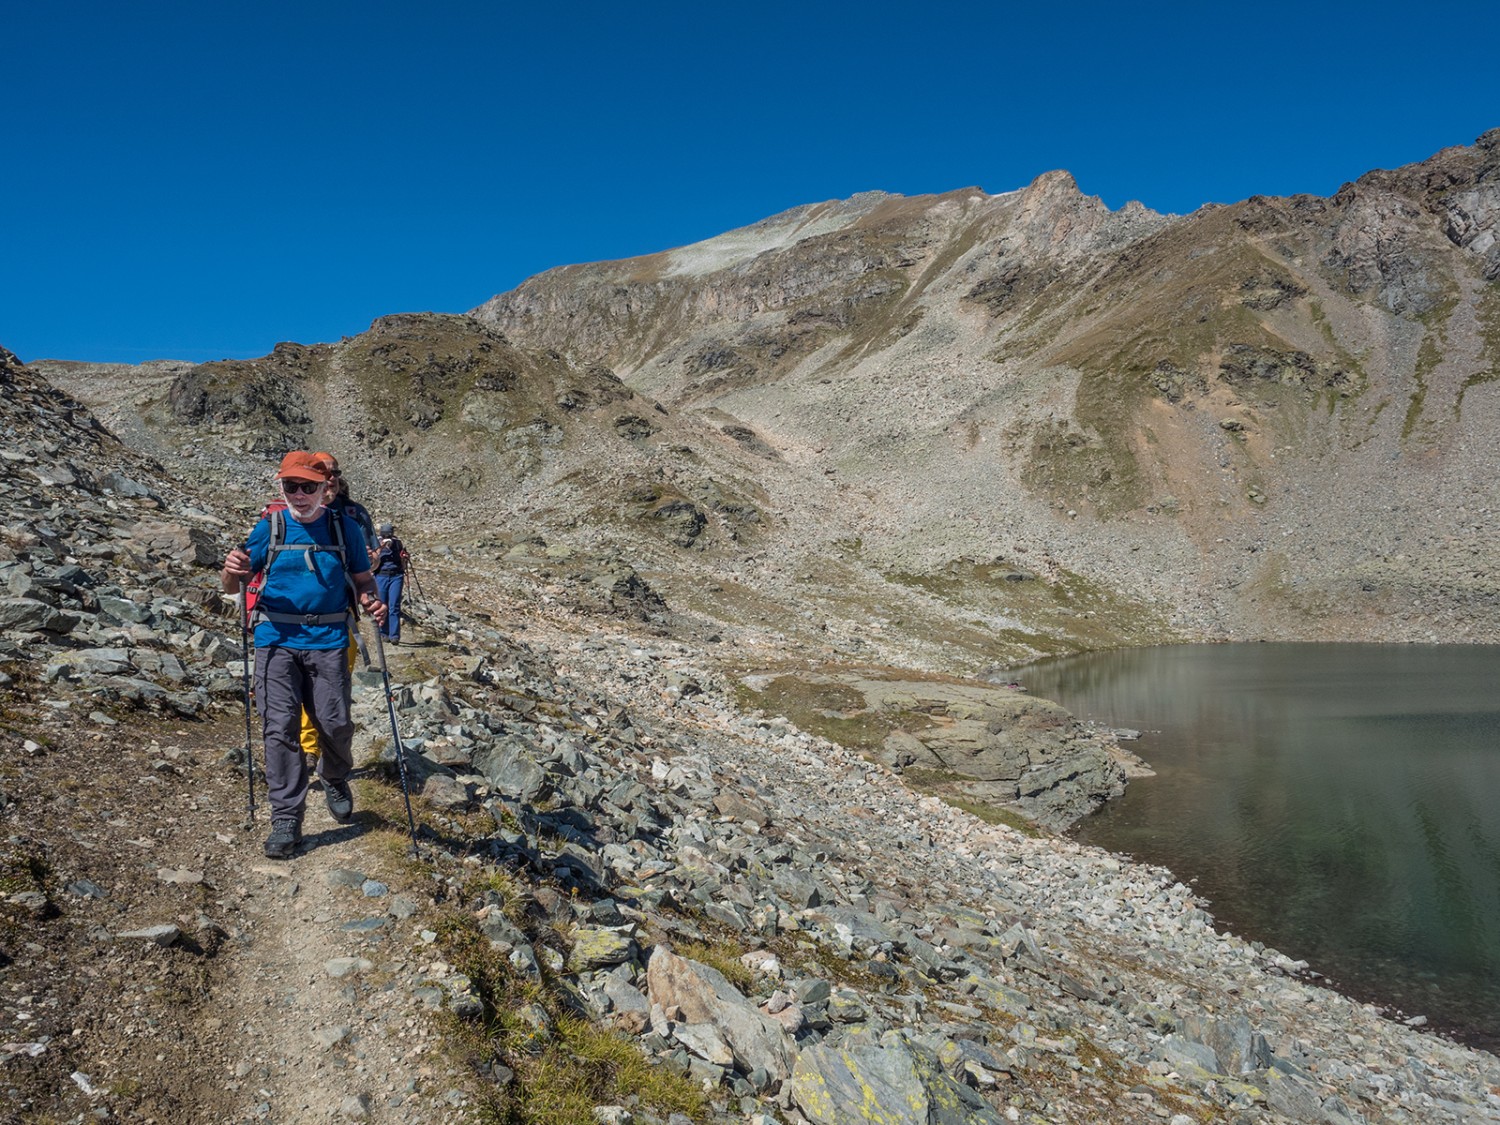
(1262, 419)
(1257, 311)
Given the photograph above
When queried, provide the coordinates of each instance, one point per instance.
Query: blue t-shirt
(293, 587)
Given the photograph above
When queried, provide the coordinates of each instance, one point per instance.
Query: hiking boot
(340, 800)
(285, 835)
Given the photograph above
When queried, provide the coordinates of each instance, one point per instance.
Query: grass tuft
(723, 955)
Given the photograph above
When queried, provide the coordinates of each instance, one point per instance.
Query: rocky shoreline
(1040, 956)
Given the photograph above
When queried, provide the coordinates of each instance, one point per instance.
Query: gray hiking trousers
(286, 681)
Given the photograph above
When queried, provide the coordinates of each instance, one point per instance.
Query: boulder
(596, 947)
(444, 792)
(507, 764)
(885, 1081)
(703, 996)
(629, 1009)
(163, 935)
(122, 485)
(26, 615)
(174, 541)
(124, 609)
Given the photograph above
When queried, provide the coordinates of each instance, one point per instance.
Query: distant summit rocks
(1056, 220)
(852, 252)
(1395, 226)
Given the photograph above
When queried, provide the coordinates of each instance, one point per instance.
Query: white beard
(312, 513)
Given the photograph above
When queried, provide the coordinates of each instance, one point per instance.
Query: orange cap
(299, 464)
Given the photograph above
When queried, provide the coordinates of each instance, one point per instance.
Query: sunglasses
(307, 486)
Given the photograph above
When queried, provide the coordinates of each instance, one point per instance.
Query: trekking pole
(359, 641)
(417, 582)
(245, 676)
(390, 706)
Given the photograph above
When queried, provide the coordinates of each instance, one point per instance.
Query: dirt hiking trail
(171, 973)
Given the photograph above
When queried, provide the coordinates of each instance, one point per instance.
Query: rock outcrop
(105, 572)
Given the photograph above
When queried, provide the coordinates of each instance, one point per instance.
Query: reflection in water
(1339, 802)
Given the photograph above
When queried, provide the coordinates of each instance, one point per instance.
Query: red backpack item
(252, 589)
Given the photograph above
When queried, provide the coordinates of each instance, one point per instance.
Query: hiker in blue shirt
(316, 564)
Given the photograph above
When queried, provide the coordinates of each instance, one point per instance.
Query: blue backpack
(277, 518)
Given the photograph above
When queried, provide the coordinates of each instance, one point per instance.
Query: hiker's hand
(237, 563)
(374, 607)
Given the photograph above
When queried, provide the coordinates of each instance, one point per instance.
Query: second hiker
(340, 500)
(390, 577)
(316, 565)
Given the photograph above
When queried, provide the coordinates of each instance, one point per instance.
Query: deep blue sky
(200, 180)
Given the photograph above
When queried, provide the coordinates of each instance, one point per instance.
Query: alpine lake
(1340, 803)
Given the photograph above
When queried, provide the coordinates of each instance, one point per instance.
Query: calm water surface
(1338, 802)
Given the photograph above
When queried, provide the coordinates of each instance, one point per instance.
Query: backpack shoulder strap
(278, 541)
(341, 544)
(278, 544)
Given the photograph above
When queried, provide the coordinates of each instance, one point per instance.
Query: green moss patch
(831, 710)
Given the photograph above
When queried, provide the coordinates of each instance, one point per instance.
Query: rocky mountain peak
(1034, 357)
(1394, 229)
(1055, 220)
(1057, 183)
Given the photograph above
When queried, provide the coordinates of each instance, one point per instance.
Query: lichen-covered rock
(596, 947)
(888, 1081)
